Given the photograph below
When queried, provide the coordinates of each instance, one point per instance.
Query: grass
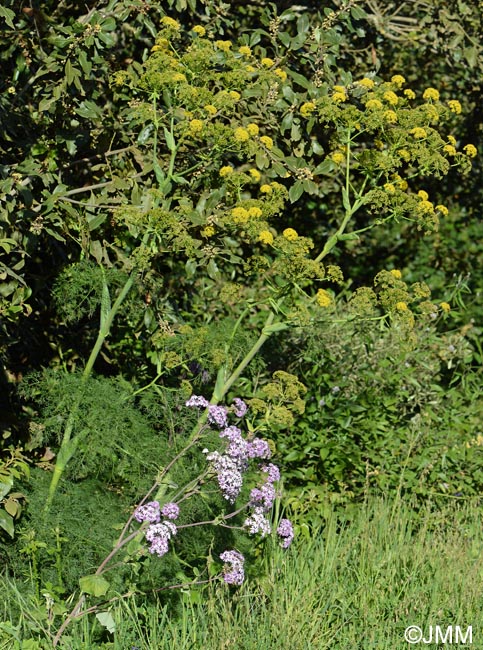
(357, 583)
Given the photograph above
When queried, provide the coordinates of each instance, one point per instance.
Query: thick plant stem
(68, 445)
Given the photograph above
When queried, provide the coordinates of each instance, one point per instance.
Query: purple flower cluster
(259, 449)
(217, 415)
(170, 511)
(272, 471)
(233, 571)
(263, 497)
(285, 531)
(261, 501)
(229, 474)
(257, 522)
(239, 407)
(151, 512)
(159, 536)
(197, 401)
(148, 512)
(231, 465)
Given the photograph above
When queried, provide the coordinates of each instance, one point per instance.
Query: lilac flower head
(170, 511)
(197, 401)
(229, 475)
(258, 523)
(217, 415)
(159, 536)
(233, 574)
(148, 512)
(272, 471)
(259, 449)
(239, 407)
(263, 497)
(232, 433)
(285, 531)
(239, 449)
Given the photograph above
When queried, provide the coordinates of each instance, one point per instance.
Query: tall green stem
(69, 445)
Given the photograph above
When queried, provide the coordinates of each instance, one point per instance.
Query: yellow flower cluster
(226, 171)
(281, 74)
(390, 117)
(398, 80)
(339, 96)
(195, 126)
(178, 76)
(266, 189)
(401, 306)
(254, 212)
(255, 174)
(391, 97)
(470, 150)
(389, 187)
(445, 306)
(245, 50)
(240, 215)
(418, 132)
(431, 94)
(449, 149)
(337, 157)
(170, 22)
(401, 183)
(267, 141)
(209, 231)
(323, 298)
(366, 83)
(410, 94)
(234, 95)
(265, 237)
(425, 207)
(404, 154)
(395, 272)
(267, 63)
(373, 104)
(198, 29)
(454, 106)
(209, 108)
(307, 108)
(423, 195)
(223, 45)
(241, 134)
(443, 209)
(252, 129)
(290, 234)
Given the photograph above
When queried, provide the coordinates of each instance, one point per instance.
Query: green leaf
(71, 73)
(296, 191)
(170, 143)
(94, 585)
(471, 55)
(213, 270)
(9, 15)
(6, 485)
(358, 13)
(324, 168)
(276, 327)
(105, 302)
(107, 621)
(95, 220)
(85, 64)
(89, 110)
(300, 79)
(46, 103)
(6, 522)
(145, 133)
